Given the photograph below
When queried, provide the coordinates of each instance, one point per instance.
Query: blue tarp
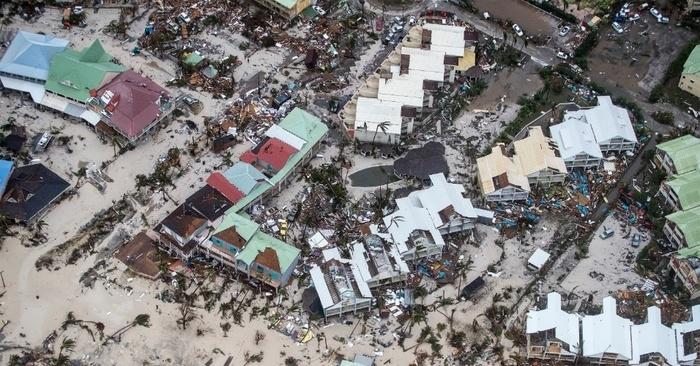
(5, 173)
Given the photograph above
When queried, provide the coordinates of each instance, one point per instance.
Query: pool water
(373, 176)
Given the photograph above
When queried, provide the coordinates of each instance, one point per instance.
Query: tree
(67, 346)
(259, 336)
(143, 320)
(252, 358)
(226, 327)
(383, 126)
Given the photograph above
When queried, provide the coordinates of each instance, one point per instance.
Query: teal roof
(687, 188)
(692, 64)
(683, 151)
(688, 222)
(258, 241)
(305, 126)
(73, 74)
(287, 3)
(193, 58)
(245, 227)
(244, 176)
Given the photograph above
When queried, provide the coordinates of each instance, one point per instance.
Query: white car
(319, 10)
(655, 12)
(617, 27)
(662, 19)
(517, 30)
(634, 17)
(564, 31)
(562, 55)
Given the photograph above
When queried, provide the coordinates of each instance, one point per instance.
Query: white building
(403, 89)
(379, 262)
(611, 126)
(339, 285)
(417, 226)
(653, 339)
(380, 122)
(552, 334)
(576, 142)
(606, 336)
(445, 38)
(687, 331)
(426, 65)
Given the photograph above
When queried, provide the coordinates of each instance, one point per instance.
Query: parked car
(518, 30)
(662, 19)
(607, 232)
(655, 12)
(184, 18)
(634, 17)
(643, 6)
(636, 239)
(617, 27)
(319, 10)
(564, 31)
(562, 55)
(412, 20)
(78, 9)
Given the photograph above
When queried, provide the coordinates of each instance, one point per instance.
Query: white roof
(574, 137)
(371, 112)
(539, 258)
(565, 325)
(607, 332)
(285, 136)
(425, 64)
(406, 220)
(317, 240)
(686, 327)
(321, 287)
(609, 121)
(440, 196)
(653, 337)
(402, 89)
(446, 38)
(37, 91)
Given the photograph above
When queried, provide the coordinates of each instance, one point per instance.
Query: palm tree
(143, 320)
(67, 346)
(383, 126)
(395, 220)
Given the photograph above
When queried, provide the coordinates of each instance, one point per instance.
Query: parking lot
(531, 19)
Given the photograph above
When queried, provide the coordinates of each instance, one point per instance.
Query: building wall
(674, 235)
(664, 161)
(670, 196)
(224, 245)
(545, 178)
(507, 194)
(616, 145)
(381, 138)
(582, 161)
(456, 225)
(690, 83)
(361, 304)
(285, 12)
(686, 275)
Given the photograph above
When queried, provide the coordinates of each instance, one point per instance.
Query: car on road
(562, 55)
(412, 20)
(617, 27)
(607, 232)
(564, 31)
(518, 30)
(655, 12)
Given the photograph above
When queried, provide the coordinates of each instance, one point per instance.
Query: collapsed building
(607, 338)
(535, 162)
(391, 101)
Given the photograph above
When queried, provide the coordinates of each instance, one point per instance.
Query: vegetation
(551, 8)
(663, 117)
(585, 47)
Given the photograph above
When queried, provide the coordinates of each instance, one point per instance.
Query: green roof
(688, 222)
(303, 125)
(683, 151)
(193, 58)
(73, 74)
(257, 241)
(687, 188)
(692, 64)
(244, 227)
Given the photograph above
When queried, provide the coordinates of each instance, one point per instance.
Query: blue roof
(244, 176)
(30, 55)
(5, 172)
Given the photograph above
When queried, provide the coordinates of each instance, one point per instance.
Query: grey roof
(423, 161)
(31, 188)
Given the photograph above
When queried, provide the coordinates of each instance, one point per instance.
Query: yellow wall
(691, 84)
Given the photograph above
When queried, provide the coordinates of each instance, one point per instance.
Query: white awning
(37, 91)
(73, 109)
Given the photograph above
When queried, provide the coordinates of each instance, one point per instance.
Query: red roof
(217, 181)
(248, 157)
(276, 153)
(135, 104)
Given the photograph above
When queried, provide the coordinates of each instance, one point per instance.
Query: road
(542, 55)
